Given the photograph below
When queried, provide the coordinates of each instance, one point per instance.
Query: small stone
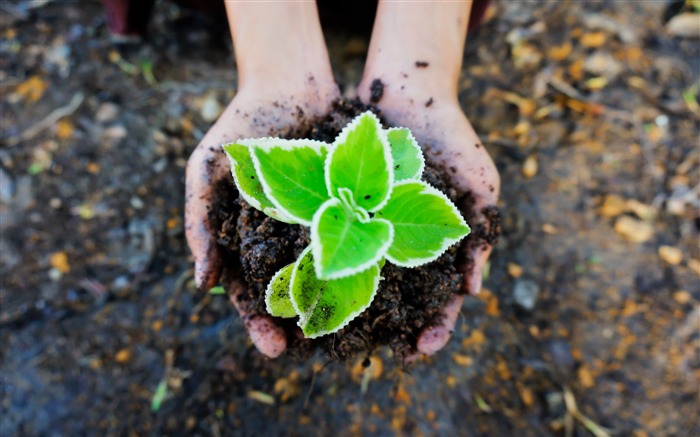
(671, 255)
(7, 186)
(112, 135)
(525, 293)
(682, 296)
(530, 166)
(694, 265)
(106, 112)
(211, 108)
(686, 25)
(55, 275)
(612, 206)
(514, 270)
(634, 230)
(136, 202)
(585, 378)
(602, 64)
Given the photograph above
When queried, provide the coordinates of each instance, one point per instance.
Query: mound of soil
(408, 300)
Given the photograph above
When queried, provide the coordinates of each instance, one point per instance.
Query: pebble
(211, 108)
(602, 64)
(612, 206)
(637, 231)
(685, 25)
(7, 186)
(530, 166)
(514, 270)
(671, 255)
(525, 293)
(106, 112)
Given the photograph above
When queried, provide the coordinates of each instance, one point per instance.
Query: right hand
(253, 113)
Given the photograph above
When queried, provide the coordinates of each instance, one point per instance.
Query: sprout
(364, 201)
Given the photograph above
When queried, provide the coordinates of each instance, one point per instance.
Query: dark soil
(407, 301)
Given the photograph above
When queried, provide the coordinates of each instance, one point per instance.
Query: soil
(590, 305)
(407, 301)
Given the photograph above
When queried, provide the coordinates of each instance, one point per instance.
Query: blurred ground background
(589, 323)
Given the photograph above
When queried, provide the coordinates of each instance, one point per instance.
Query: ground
(588, 324)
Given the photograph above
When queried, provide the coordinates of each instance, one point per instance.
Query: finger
(473, 279)
(203, 168)
(267, 336)
(434, 338)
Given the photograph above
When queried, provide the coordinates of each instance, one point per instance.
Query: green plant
(364, 201)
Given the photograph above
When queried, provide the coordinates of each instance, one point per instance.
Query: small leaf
(328, 306)
(248, 181)
(425, 223)
(217, 290)
(159, 395)
(291, 173)
(277, 300)
(408, 157)
(343, 245)
(361, 161)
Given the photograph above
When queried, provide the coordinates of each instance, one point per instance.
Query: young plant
(364, 201)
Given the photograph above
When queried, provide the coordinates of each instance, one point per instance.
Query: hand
(254, 112)
(449, 140)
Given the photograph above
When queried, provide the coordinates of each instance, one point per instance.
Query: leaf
(407, 155)
(248, 182)
(159, 395)
(217, 290)
(425, 223)
(277, 299)
(326, 307)
(291, 173)
(343, 245)
(361, 161)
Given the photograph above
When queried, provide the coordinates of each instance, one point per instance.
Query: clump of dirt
(408, 300)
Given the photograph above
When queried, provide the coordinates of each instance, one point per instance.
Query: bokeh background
(589, 322)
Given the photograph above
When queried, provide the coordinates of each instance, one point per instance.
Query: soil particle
(376, 90)
(429, 102)
(422, 64)
(408, 300)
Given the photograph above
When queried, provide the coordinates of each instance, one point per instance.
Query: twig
(572, 409)
(49, 120)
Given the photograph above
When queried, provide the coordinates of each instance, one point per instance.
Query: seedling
(364, 201)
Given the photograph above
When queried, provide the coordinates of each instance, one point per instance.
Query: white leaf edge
(415, 144)
(304, 318)
(343, 136)
(269, 291)
(267, 143)
(302, 314)
(252, 201)
(446, 242)
(317, 248)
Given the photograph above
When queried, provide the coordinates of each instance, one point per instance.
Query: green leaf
(425, 223)
(408, 157)
(291, 173)
(277, 299)
(248, 181)
(343, 245)
(159, 395)
(217, 290)
(326, 307)
(361, 161)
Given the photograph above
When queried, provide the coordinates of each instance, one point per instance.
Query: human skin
(424, 99)
(276, 76)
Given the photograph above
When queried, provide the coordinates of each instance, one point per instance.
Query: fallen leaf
(31, 89)
(613, 205)
(593, 39)
(671, 255)
(123, 356)
(462, 360)
(634, 230)
(685, 25)
(59, 261)
(530, 166)
(514, 270)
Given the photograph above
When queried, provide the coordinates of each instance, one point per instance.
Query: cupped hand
(448, 139)
(254, 112)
